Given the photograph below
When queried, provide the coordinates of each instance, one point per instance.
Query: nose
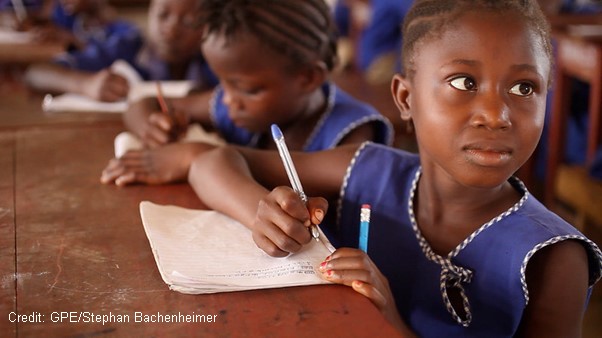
(491, 112)
(230, 100)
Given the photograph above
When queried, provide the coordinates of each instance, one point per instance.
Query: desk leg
(595, 112)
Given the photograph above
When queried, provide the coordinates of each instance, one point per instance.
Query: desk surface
(21, 109)
(70, 244)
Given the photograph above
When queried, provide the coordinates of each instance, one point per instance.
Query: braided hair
(302, 30)
(428, 19)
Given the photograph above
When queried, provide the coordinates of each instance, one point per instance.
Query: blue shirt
(489, 265)
(343, 115)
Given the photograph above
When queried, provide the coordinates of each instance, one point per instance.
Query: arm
(557, 279)
(52, 78)
(235, 181)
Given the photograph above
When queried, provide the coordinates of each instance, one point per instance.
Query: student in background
(375, 51)
(76, 23)
(169, 52)
(457, 246)
(273, 59)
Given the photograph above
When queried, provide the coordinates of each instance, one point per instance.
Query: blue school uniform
(131, 48)
(489, 266)
(343, 115)
(74, 23)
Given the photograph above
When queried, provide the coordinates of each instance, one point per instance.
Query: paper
(127, 141)
(139, 89)
(9, 36)
(201, 251)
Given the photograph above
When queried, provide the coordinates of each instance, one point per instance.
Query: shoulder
(349, 115)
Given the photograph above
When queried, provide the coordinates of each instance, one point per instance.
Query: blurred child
(457, 246)
(376, 26)
(273, 59)
(170, 52)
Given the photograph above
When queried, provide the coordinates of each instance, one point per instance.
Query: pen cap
(276, 132)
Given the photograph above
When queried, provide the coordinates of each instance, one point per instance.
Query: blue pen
(364, 227)
(291, 171)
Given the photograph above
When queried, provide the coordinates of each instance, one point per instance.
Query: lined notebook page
(201, 251)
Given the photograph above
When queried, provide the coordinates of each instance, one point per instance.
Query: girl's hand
(107, 86)
(282, 222)
(155, 128)
(353, 267)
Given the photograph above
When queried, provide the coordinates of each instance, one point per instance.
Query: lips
(488, 154)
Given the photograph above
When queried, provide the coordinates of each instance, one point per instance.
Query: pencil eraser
(276, 133)
(365, 206)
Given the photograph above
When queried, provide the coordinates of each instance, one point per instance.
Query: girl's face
(477, 98)
(258, 88)
(173, 29)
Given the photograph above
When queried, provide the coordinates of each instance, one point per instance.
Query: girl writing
(273, 59)
(458, 246)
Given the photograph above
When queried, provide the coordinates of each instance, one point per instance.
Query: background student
(371, 35)
(458, 246)
(169, 52)
(273, 60)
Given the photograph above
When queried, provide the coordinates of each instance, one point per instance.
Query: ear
(401, 90)
(313, 76)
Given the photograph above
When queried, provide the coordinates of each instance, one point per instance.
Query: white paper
(9, 36)
(201, 251)
(139, 89)
(127, 141)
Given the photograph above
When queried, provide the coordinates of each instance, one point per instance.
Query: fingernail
(329, 273)
(322, 265)
(319, 214)
(357, 283)
(328, 258)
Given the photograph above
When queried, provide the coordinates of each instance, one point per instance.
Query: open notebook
(201, 251)
(139, 89)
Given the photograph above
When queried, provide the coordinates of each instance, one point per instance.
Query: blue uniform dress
(74, 23)
(343, 115)
(488, 267)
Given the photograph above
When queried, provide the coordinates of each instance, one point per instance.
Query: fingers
(317, 207)
(108, 86)
(370, 292)
(158, 130)
(131, 168)
(282, 221)
(352, 267)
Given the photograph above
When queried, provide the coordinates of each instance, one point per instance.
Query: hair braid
(301, 30)
(428, 18)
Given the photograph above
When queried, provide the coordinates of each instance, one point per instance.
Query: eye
(463, 83)
(522, 89)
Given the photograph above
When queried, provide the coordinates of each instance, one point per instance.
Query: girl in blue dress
(273, 59)
(457, 246)
(168, 52)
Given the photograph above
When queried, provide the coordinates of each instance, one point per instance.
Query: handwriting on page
(200, 251)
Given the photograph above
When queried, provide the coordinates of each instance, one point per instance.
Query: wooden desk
(580, 58)
(20, 109)
(81, 249)
(18, 53)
